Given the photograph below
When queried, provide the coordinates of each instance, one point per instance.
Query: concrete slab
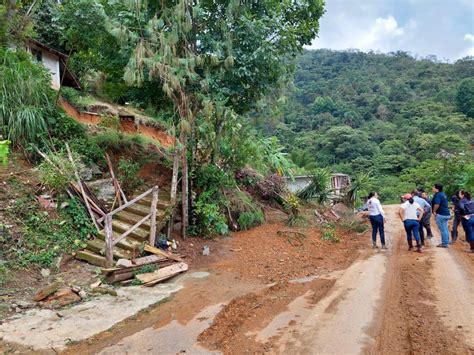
(43, 329)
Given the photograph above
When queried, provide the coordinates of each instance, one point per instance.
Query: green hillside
(402, 120)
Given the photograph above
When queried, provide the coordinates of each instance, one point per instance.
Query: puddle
(173, 338)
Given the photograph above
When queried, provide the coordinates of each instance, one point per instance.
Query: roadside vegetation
(401, 120)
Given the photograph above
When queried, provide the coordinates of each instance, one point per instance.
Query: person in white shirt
(377, 219)
(411, 213)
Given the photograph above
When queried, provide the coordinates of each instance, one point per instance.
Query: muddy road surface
(373, 301)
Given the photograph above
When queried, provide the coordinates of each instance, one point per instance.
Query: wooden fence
(110, 241)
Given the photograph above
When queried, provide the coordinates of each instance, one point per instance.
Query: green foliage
(465, 97)
(359, 187)
(146, 269)
(128, 175)
(208, 218)
(329, 233)
(112, 122)
(26, 99)
(3, 274)
(354, 225)
(383, 115)
(47, 235)
(58, 180)
(319, 188)
(77, 99)
(251, 219)
(4, 152)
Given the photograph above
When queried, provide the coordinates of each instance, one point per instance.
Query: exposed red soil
(127, 125)
(410, 321)
(261, 253)
(231, 330)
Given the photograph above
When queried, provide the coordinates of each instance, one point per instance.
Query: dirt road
(356, 300)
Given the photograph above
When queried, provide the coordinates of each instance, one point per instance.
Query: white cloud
(469, 37)
(380, 34)
(421, 27)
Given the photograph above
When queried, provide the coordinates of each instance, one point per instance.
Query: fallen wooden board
(147, 260)
(46, 291)
(152, 278)
(130, 273)
(91, 258)
(154, 250)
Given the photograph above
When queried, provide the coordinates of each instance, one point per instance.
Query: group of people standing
(416, 211)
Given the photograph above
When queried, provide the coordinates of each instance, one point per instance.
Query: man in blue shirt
(426, 207)
(442, 214)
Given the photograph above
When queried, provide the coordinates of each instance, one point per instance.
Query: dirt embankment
(127, 124)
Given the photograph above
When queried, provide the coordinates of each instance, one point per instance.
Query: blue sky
(444, 28)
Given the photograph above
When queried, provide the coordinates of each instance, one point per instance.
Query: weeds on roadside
(329, 233)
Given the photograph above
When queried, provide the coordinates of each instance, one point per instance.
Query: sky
(444, 28)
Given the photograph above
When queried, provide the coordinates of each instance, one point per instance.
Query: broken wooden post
(118, 189)
(154, 204)
(109, 240)
(79, 182)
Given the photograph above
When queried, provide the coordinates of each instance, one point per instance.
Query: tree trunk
(174, 188)
(184, 184)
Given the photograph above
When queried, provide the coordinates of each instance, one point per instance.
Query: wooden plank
(118, 189)
(46, 291)
(152, 278)
(157, 251)
(109, 240)
(131, 230)
(128, 273)
(91, 258)
(147, 260)
(78, 179)
(131, 202)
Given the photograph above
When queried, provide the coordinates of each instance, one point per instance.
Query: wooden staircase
(133, 244)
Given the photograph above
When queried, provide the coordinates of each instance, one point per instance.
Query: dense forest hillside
(402, 120)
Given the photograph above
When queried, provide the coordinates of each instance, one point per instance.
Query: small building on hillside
(55, 62)
(338, 183)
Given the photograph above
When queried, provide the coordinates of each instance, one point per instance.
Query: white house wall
(51, 62)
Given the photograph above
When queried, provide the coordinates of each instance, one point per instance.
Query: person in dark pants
(466, 210)
(426, 207)
(426, 220)
(411, 213)
(457, 217)
(441, 213)
(377, 219)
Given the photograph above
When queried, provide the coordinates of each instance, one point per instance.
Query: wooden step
(138, 234)
(138, 209)
(91, 258)
(97, 246)
(133, 218)
(126, 243)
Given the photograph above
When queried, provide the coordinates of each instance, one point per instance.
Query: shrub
(208, 219)
(76, 98)
(329, 233)
(112, 122)
(319, 188)
(128, 175)
(248, 220)
(47, 235)
(58, 180)
(271, 187)
(26, 99)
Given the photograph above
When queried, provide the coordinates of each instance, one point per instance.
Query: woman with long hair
(411, 213)
(377, 219)
(466, 209)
